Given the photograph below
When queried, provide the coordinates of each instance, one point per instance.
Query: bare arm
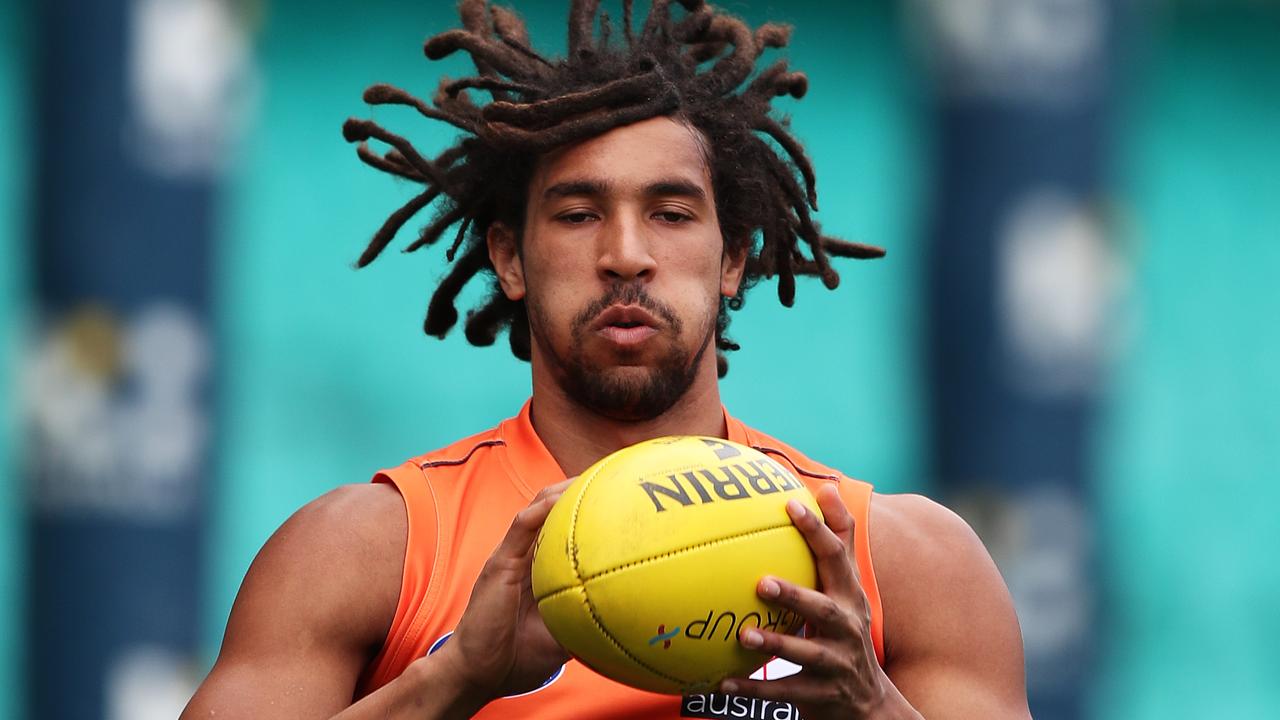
(952, 643)
(315, 605)
(319, 599)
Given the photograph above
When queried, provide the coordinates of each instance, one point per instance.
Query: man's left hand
(841, 676)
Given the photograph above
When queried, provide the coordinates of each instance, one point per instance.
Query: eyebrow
(682, 188)
(572, 188)
(599, 188)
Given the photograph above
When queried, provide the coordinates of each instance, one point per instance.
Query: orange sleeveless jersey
(461, 500)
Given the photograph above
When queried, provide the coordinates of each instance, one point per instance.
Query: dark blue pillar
(117, 379)
(1019, 276)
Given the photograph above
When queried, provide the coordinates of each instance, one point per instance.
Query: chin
(628, 393)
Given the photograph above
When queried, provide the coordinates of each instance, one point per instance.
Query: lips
(625, 324)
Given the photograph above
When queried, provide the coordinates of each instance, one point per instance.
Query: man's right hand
(501, 646)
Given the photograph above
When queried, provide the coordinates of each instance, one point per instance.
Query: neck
(577, 437)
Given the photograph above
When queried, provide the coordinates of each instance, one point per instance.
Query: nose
(624, 251)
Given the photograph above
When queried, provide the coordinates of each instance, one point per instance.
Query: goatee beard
(626, 393)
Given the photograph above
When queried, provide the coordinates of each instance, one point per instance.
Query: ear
(732, 267)
(504, 253)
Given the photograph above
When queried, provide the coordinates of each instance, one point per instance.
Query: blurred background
(1074, 340)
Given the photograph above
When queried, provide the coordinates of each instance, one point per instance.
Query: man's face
(622, 267)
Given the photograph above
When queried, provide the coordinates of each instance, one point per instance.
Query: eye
(673, 217)
(577, 217)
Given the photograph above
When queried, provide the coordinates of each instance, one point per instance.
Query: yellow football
(647, 566)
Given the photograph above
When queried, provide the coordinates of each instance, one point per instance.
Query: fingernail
(769, 588)
(795, 509)
(729, 686)
(752, 638)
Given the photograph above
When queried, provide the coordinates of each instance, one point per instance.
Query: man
(623, 199)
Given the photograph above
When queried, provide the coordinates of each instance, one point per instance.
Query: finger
(836, 514)
(555, 489)
(823, 612)
(518, 542)
(835, 568)
(814, 656)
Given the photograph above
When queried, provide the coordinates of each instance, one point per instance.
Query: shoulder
(934, 575)
(353, 531)
(364, 521)
(357, 505)
(913, 527)
(312, 610)
(333, 566)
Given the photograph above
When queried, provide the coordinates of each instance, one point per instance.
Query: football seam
(582, 581)
(681, 551)
(586, 601)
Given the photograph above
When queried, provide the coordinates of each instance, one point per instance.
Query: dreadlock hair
(691, 67)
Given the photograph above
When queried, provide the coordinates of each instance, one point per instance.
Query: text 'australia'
(716, 706)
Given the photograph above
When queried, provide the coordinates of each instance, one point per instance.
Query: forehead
(630, 156)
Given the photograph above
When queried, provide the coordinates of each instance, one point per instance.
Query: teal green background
(325, 376)
(13, 205)
(1190, 450)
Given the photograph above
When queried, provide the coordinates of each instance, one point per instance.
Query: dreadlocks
(691, 67)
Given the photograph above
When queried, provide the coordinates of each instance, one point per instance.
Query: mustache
(625, 294)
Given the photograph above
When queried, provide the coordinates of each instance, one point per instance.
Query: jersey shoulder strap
(424, 485)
